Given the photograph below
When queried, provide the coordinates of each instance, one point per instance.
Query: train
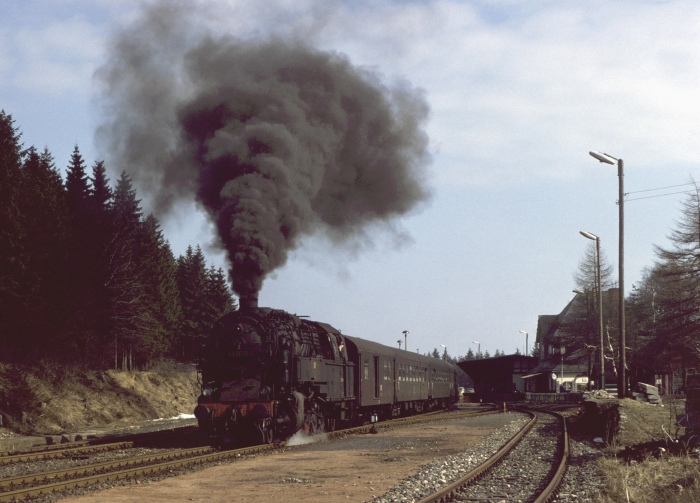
(266, 375)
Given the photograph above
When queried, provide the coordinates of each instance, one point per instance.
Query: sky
(519, 93)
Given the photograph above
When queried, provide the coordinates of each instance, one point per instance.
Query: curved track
(530, 467)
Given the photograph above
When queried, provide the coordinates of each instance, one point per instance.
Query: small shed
(499, 378)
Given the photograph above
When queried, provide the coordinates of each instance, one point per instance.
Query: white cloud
(548, 80)
(57, 58)
(551, 84)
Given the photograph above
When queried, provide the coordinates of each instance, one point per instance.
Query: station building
(499, 378)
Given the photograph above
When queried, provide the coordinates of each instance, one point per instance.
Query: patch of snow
(181, 415)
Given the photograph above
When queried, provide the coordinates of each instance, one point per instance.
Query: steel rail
(86, 470)
(44, 448)
(552, 488)
(64, 452)
(83, 447)
(450, 492)
(125, 474)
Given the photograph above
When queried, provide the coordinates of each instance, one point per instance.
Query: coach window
(366, 369)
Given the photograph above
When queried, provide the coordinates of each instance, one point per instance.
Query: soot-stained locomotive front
(267, 374)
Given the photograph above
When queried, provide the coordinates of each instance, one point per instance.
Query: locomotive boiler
(267, 374)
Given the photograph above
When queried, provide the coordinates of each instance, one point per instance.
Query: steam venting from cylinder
(275, 139)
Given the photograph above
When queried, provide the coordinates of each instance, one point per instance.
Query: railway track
(82, 449)
(33, 485)
(91, 447)
(530, 467)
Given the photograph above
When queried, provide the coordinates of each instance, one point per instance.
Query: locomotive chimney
(247, 303)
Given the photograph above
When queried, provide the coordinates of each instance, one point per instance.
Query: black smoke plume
(276, 139)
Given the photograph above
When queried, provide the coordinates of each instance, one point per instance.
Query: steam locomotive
(267, 374)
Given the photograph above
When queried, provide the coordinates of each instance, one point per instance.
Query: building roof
(548, 325)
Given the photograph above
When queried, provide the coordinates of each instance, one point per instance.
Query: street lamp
(524, 332)
(478, 347)
(405, 340)
(399, 341)
(608, 159)
(600, 304)
(444, 356)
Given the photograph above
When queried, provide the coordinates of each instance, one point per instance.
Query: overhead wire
(658, 195)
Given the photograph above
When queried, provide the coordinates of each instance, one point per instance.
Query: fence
(554, 397)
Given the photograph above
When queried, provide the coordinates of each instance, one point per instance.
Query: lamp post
(399, 341)
(405, 340)
(444, 355)
(600, 304)
(524, 332)
(478, 347)
(622, 375)
(562, 350)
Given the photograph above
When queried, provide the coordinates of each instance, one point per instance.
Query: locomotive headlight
(207, 392)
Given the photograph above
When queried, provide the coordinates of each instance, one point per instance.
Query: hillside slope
(47, 399)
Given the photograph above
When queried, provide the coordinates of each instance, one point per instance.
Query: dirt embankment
(53, 400)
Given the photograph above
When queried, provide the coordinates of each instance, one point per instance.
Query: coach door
(377, 373)
(431, 377)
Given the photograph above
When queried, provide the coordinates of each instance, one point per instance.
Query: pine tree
(644, 312)
(99, 227)
(583, 326)
(159, 271)
(219, 299)
(125, 286)
(192, 282)
(679, 289)
(11, 266)
(81, 249)
(77, 183)
(44, 217)
(100, 192)
(585, 276)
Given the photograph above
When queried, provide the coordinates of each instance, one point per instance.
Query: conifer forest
(86, 277)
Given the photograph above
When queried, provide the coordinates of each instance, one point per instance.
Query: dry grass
(51, 400)
(670, 480)
(637, 470)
